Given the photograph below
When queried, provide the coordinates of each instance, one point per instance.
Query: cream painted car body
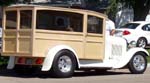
(88, 48)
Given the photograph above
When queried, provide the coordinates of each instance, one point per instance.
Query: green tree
(6, 2)
(112, 9)
(140, 7)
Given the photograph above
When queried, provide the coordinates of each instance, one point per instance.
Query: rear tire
(64, 64)
(138, 63)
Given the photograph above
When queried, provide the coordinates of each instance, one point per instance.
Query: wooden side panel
(44, 41)
(10, 45)
(24, 45)
(9, 41)
(24, 41)
(94, 47)
(17, 42)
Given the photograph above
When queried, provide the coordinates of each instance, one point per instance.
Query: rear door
(17, 32)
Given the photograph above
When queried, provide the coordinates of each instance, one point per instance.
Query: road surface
(112, 76)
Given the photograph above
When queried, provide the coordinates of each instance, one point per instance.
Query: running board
(96, 64)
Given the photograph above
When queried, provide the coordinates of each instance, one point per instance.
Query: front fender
(124, 60)
(51, 55)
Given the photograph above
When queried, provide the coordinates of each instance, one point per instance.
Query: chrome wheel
(64, 63)
(141, 43)
(139, 62)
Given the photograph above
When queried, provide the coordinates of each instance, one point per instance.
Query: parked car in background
(138, 31)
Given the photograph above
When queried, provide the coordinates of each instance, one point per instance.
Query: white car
(138, 32)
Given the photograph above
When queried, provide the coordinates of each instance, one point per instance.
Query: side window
(59, 21)
(11, 19)
(95, 25)
(146, 27)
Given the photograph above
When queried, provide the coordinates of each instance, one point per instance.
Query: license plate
(29, 61)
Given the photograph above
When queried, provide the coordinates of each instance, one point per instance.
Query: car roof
(57, 8)
(140, 22)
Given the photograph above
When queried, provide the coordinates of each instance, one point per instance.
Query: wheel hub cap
(139, 63)
(142, 43)
(64, 64)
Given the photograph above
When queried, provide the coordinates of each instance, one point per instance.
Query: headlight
(132, 44)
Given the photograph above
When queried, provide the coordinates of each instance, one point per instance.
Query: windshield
(130, 25)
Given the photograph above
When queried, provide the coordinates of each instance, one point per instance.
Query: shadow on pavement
(11, 73)
(99, 73)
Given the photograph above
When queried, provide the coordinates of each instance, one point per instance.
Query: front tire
(138, 63)
(64, 64)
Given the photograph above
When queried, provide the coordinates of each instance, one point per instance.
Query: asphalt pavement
(112, 76)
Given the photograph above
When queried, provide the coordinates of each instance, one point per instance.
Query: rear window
(25, 19)
(130, 25)
(11, 19)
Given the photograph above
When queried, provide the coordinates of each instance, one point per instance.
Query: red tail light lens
(126, 32)
(39, 61)
(21, 60)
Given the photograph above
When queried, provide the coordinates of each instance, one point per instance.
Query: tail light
(39, 61)
(126, 32)
(21, 60)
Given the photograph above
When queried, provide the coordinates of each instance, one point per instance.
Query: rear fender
(51, 55)
(128, 55)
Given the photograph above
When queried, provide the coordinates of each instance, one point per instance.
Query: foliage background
(141, 9)
(6, 2)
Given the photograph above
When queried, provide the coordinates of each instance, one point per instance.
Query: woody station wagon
(62, 40)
